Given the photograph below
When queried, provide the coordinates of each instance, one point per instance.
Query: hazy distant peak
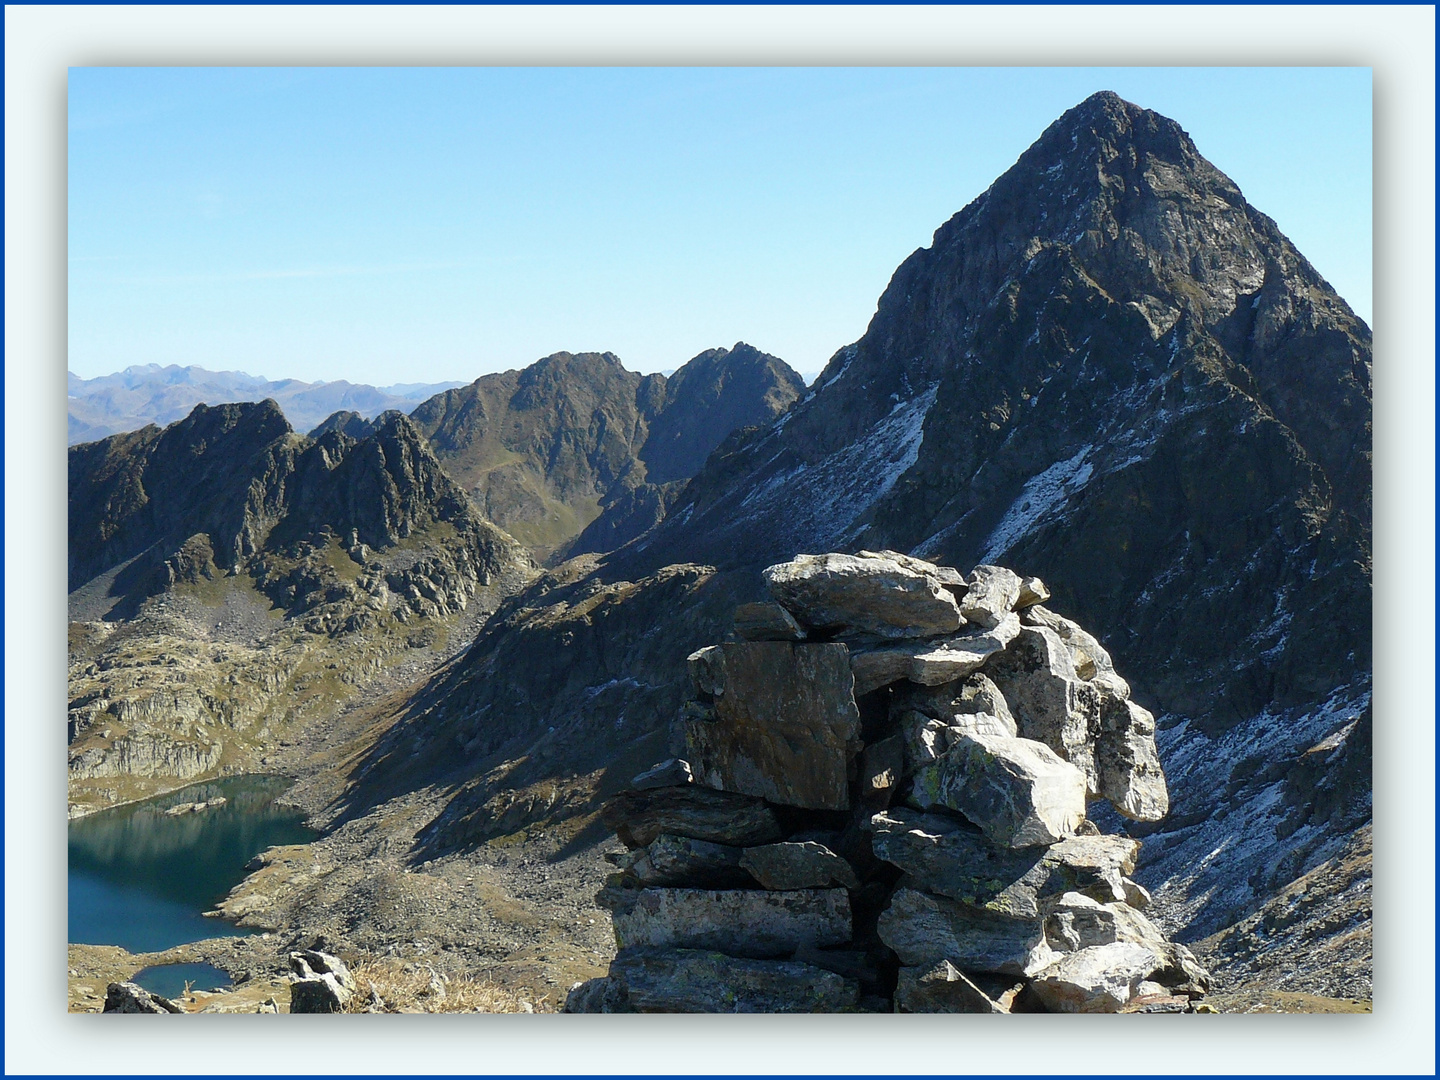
(150, 393)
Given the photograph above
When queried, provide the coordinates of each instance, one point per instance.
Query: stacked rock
(882, 807)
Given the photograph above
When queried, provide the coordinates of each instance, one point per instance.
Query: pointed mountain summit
(1110, 371)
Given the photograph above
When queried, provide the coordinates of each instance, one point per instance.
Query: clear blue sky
(391, 225)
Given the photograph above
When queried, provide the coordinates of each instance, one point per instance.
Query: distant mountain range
(151, 394)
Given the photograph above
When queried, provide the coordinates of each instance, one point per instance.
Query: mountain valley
(464, 630)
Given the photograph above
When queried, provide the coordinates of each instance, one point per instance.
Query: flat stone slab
(740, 922)
(701, 981)
(950, 858)
(786, 724)
(684, 861)
(807, 865)
(924, 930)
(933, 662)
(878, 596)
(1019, 792)
(672, 773)
(720, 817)
(943, 988)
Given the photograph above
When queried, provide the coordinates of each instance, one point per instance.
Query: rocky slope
(1110, 371)
(151, 394)
(574, 453)
(233, 581)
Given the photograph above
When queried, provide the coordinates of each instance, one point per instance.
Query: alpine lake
(142, 875)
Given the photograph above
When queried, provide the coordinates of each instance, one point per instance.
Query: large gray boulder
(924, 930)
(875, 596)
(1052, 704)
(1032, 592)
(1019, 792)
(674, 772)
(930, 662)
(701, 981)
(942, 855)
(1086, 653)
(1098, 979)
(323, 984)
(721, 817)
(943, 988)
(785, 727)
(1067, 694)
(804, 865)
(606, 994)
(1127, 761)
(948, 576)
(129, 997)
(992, 595)
(1076, 921)
(740, 922)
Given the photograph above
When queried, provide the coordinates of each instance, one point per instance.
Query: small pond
(172, 980)
(140, 878)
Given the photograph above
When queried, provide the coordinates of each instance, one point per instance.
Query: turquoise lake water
(140, 878)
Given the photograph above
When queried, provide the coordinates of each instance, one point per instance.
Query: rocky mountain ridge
(575, 453)
(1108, 371)
(1111, 371)
(232, 580)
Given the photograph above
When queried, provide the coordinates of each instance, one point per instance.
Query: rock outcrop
(321, 983)
(1112, 371)
(127, 997)
(329, 555)
(914, 846)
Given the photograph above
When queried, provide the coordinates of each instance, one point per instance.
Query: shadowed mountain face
(575, 444)
(1110, 371)
(235, 481)
(234, 584)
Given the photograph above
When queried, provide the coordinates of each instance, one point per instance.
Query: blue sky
(389, 225)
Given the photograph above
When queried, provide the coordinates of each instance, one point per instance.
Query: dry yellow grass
(409, 987)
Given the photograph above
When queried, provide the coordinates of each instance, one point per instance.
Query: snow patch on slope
(1042, 493)
(1236, 845)
(822, 501)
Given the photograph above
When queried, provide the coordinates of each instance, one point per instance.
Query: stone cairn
(882, 808)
